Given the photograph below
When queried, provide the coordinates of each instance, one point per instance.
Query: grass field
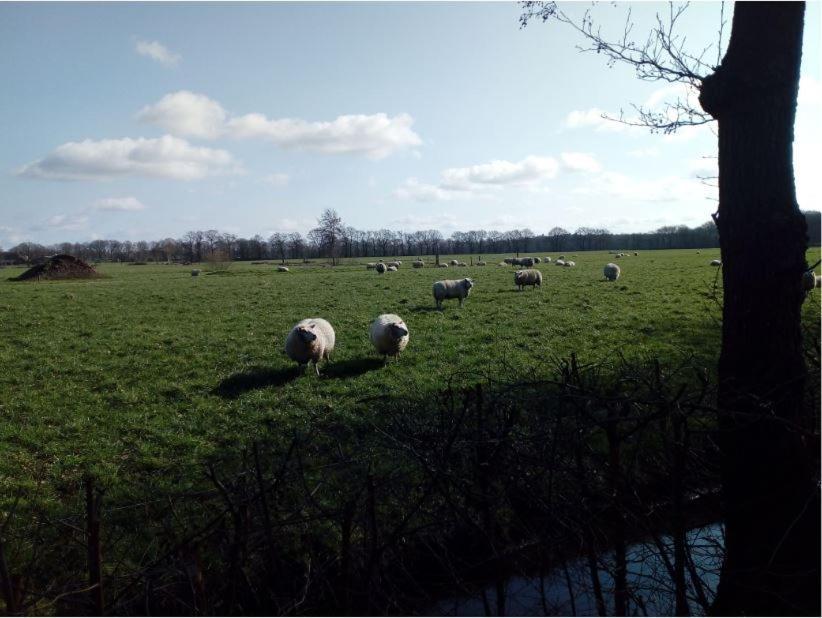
(149, 371)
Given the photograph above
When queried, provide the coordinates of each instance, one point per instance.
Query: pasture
(149, 372)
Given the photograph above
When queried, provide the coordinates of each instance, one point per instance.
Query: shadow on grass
(350, 368)
(254, 379)
(424, 309)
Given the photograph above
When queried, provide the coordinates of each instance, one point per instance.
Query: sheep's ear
(311, 325)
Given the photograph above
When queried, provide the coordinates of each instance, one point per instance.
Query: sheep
(392, 269)
(394, 264)
(809, 280)
(526, 261)
(482, 263)
(611, 271)
(282, 269)
(546, 259)
(562, 257)
(310, 340)
(559, 262)
(454, 263)
(537, 260)
(370, 266)
(502, 264)
(418, 264)
(635, 254)
(716, 262)
(570, 263)
(463, 264)
(442, 265)
(195, 272)
(508, 261)
(389, 335)
(531, 277)
(451, 288)
(380, 267)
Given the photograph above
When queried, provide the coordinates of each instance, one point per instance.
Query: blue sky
(142, 121)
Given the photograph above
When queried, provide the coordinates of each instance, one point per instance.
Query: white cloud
(810, 91)
(276, 180)
(64, 222)
(704, 167)
(666, 189)
(442, 221)
(118, 204)
(579, 162)
(163, 157)
(593, 117)
(644, 152)
(375, 136)
(413, 189)
(157, 51)
(187, 114)
(499, 173)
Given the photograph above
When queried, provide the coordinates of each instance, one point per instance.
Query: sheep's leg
(317, 368)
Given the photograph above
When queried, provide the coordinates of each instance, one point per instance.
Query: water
(651, 591)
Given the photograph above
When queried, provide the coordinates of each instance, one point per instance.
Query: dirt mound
(59, 267)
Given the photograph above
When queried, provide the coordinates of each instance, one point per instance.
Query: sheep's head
(307, 333)
(398, 330)
(467, 284)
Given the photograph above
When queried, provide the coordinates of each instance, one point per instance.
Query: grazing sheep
(527, 277)
(454, 263)
(546, 259)
(611, 271)
(481, 263)
(559, 262)
(537, 260)
(392, 269)
(311, 339)
(463, 264)
(394, 264)
(195, 272)
(510, 261)
(528, 262)
(370, 266)
(451, 288)
(418, 264)
(635, 253)
(562, 257)
(716, 262)
(442, 265)
(502, 264)
(282, 269)
(808, 280)
(570, 263)
(380, 267)
(389, 334)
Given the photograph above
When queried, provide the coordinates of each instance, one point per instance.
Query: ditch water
(568, 592)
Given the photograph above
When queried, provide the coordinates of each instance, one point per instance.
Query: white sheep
(559, 262)
(810, 280)
(380, 267)
(526, 261)
(370, 266)
(418, 264)
(394, 264)
(562, 257)
(454, 263)
(481, 263)
(282, 269)
(537, 260)
(389, 334)
(716, 262)
(611, 271)
(547, 258)
(570, 263)
(310, 340)
(531, 277)
(452, 288)
(442, 265)
(463, 264)
(392, 269)
(195, 272)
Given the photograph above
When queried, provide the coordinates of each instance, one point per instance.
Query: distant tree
(328, 233)
(279, 244)
(296, 245)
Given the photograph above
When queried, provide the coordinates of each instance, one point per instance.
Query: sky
(143, 121)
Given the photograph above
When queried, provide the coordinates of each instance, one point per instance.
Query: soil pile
(59, 267)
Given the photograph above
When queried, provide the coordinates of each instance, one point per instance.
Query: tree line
(333, 239)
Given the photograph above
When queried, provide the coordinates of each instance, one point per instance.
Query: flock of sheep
(313, 339)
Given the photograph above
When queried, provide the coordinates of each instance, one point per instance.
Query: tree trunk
(770, 491)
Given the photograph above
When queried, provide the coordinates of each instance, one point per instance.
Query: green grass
(148, 372)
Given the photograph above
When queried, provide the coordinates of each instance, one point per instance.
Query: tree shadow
(350, 368)
(254, 379)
